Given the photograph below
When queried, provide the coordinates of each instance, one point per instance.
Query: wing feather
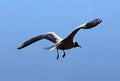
(51, 36)
(88, 25)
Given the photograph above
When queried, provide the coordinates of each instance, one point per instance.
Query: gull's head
(76, 44)
(93, 23)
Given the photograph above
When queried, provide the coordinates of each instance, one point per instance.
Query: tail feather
(50, 48)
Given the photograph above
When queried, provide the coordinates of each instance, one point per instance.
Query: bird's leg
(64, 54)
(57, 54)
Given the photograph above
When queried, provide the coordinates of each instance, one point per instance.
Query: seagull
(59, 43)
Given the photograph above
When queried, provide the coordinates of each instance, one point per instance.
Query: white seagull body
(62, 44)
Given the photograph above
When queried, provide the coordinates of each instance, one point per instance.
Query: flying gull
(62, 44)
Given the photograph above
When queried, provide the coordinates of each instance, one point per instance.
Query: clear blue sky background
(97, 60)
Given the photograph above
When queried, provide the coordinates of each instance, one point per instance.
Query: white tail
(50, 48)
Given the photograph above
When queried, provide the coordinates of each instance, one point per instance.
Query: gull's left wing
(51, 36)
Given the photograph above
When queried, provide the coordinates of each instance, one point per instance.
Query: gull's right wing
(87, 25)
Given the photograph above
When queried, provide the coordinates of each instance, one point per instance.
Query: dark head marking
(77, 45)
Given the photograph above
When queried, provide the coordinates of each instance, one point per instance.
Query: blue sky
(97, 60)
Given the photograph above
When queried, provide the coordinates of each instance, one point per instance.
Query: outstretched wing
(51, 36)
(88, 25)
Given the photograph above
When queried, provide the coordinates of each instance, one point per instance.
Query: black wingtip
(93, 23)
(19, 48)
